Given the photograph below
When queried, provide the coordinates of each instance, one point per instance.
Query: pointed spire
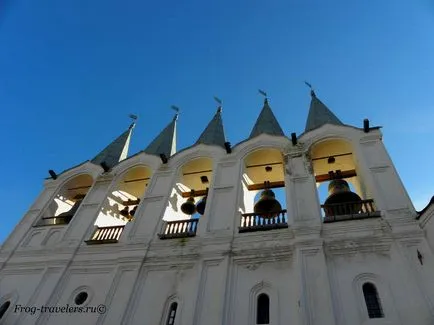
(165, 142)
(115, 151)
(266, 122)
(214, 133)
(319, 114)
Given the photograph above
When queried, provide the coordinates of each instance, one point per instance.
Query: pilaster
(304, 209)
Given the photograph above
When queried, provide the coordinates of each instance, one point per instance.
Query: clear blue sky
(71, 71)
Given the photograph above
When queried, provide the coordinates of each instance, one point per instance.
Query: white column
(316, 298)
(304, 209)
(87, 213)
(222, 204)
(148, 218)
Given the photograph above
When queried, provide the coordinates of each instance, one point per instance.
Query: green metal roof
(115, 151)
(165, 142)
(319, 114)
(266, 123)
(214, 133)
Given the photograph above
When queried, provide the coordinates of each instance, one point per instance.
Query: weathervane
(176, 109)
(312, 92)
(134, 118)
(263, 93)
(219, 102)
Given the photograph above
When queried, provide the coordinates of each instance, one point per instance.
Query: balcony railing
(350, 211)
(253, 222)
(179, 229)
(54, 221)
(106, 235)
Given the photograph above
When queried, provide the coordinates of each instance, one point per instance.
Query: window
(4, 308)
(372, 301)
(172, 313)
(263, 309)
(81, 298)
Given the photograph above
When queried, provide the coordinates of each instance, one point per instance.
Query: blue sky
(71, 71)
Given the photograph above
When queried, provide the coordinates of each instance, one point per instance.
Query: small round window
(80, 298)
(4, 308)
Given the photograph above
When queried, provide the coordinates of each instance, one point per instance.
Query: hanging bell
(133, 211)
(267, 206)
(341, 200)
(70, 213)
(200, 207)
(125, 212)
(188, 207)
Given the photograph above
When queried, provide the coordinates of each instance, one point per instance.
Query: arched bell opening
(340, 188)
(188, 199)
(67, 201)
(121, 204)
(263, 191)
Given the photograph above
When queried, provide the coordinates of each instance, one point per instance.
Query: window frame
(372, 300)
(266, 313)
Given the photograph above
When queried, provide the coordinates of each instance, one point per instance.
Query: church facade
(218, 234)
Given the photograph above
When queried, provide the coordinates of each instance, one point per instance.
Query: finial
(134, 118)
(263, 93)
(176, 109)
(219, 102)
(312, 92)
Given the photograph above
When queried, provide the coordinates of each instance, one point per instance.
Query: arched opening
(372, 301)
(188, 198)
(121, 205)
(341, 190)
(263, 191)
(67, 201)
(171, 313)
(4, 308)
(263, 309)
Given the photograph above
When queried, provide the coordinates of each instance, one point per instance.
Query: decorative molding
(351, 247)
(23, 271)
(379, 169)
(76, 291)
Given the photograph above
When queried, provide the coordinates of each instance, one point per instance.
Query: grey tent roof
(165, 142)
(266, 123)
(115, 151)
(319, 114)
(214, 133)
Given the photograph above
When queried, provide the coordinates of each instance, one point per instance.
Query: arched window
(4, 308)
(172, 313)
(372, 300)
(263, 309)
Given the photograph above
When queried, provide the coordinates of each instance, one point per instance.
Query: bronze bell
(267, 206)
(125, 212)
(341, 200)
(72, 211)
(188, 207)
(200, 207)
